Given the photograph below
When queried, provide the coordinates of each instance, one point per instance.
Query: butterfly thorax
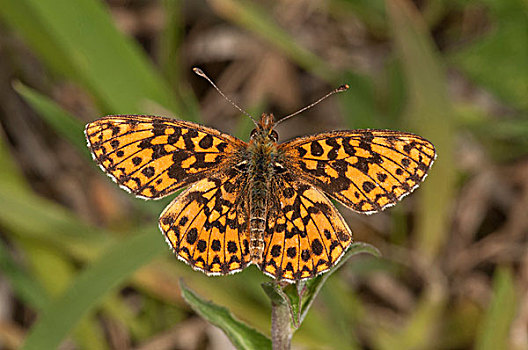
(262, 167)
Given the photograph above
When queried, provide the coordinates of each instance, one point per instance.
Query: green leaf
(22, 17)
(504, 138)
(419, 327)
(287, 296)
(50, 223)
(241, 335)
(275, 293)
(293, 293)
(370, 12)
(171, 39)
(79, 40)
(429, 114)
(25, 287)
(312, 286)
(495, 326)
(42, 259)
(504, 48)
(61, 121)
(90, 287)
(359, 103)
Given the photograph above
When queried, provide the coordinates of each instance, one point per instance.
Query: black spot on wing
(317, 247)
(206, 142)
(316, 149)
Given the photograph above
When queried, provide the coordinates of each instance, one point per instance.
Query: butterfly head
(264, 130)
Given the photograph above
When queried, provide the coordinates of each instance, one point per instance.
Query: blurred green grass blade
(370, 12)
(430, 115)
(50, 224)
(312, 286)
(26, 288)
(103, 60)
(55, 271)
(89, 335)
(359, 100)
(23, 19)
(504, 48)
(87, 290)
(359, 104)
(241, 335)
(495, 327)
(257, 19)
(342, 312)
(170, 59)
(42, 259)
(10, 176)
(171, 40)
(504, 138)
(66, 125)
(54, 230)
(420, 327)
(24, 285)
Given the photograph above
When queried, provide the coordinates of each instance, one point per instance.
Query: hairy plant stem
(280, 326)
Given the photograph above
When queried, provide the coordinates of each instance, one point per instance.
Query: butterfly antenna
(335, 91)
(201, 73)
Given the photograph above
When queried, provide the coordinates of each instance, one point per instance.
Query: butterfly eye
(253, 133)
(242, 166)
(279, 168)
(274, 135)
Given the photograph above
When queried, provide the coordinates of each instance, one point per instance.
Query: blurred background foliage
(82, 263)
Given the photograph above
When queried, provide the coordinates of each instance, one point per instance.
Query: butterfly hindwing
(205, 227)
(366, 170)
(153, 156)
(305, 233)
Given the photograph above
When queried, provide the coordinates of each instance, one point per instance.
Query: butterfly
(261, 202)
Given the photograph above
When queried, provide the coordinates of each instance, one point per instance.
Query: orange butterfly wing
(152, 157)
(206, 227)
(366, 170)
(305, 233)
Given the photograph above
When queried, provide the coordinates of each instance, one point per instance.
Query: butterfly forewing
(305, 233)
(366, 170)
(153, 156)
(205, 227)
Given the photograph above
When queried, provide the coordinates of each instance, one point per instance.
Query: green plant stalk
(291, 302)
(281, 333)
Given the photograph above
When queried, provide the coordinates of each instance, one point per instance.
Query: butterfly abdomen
(260, 175)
